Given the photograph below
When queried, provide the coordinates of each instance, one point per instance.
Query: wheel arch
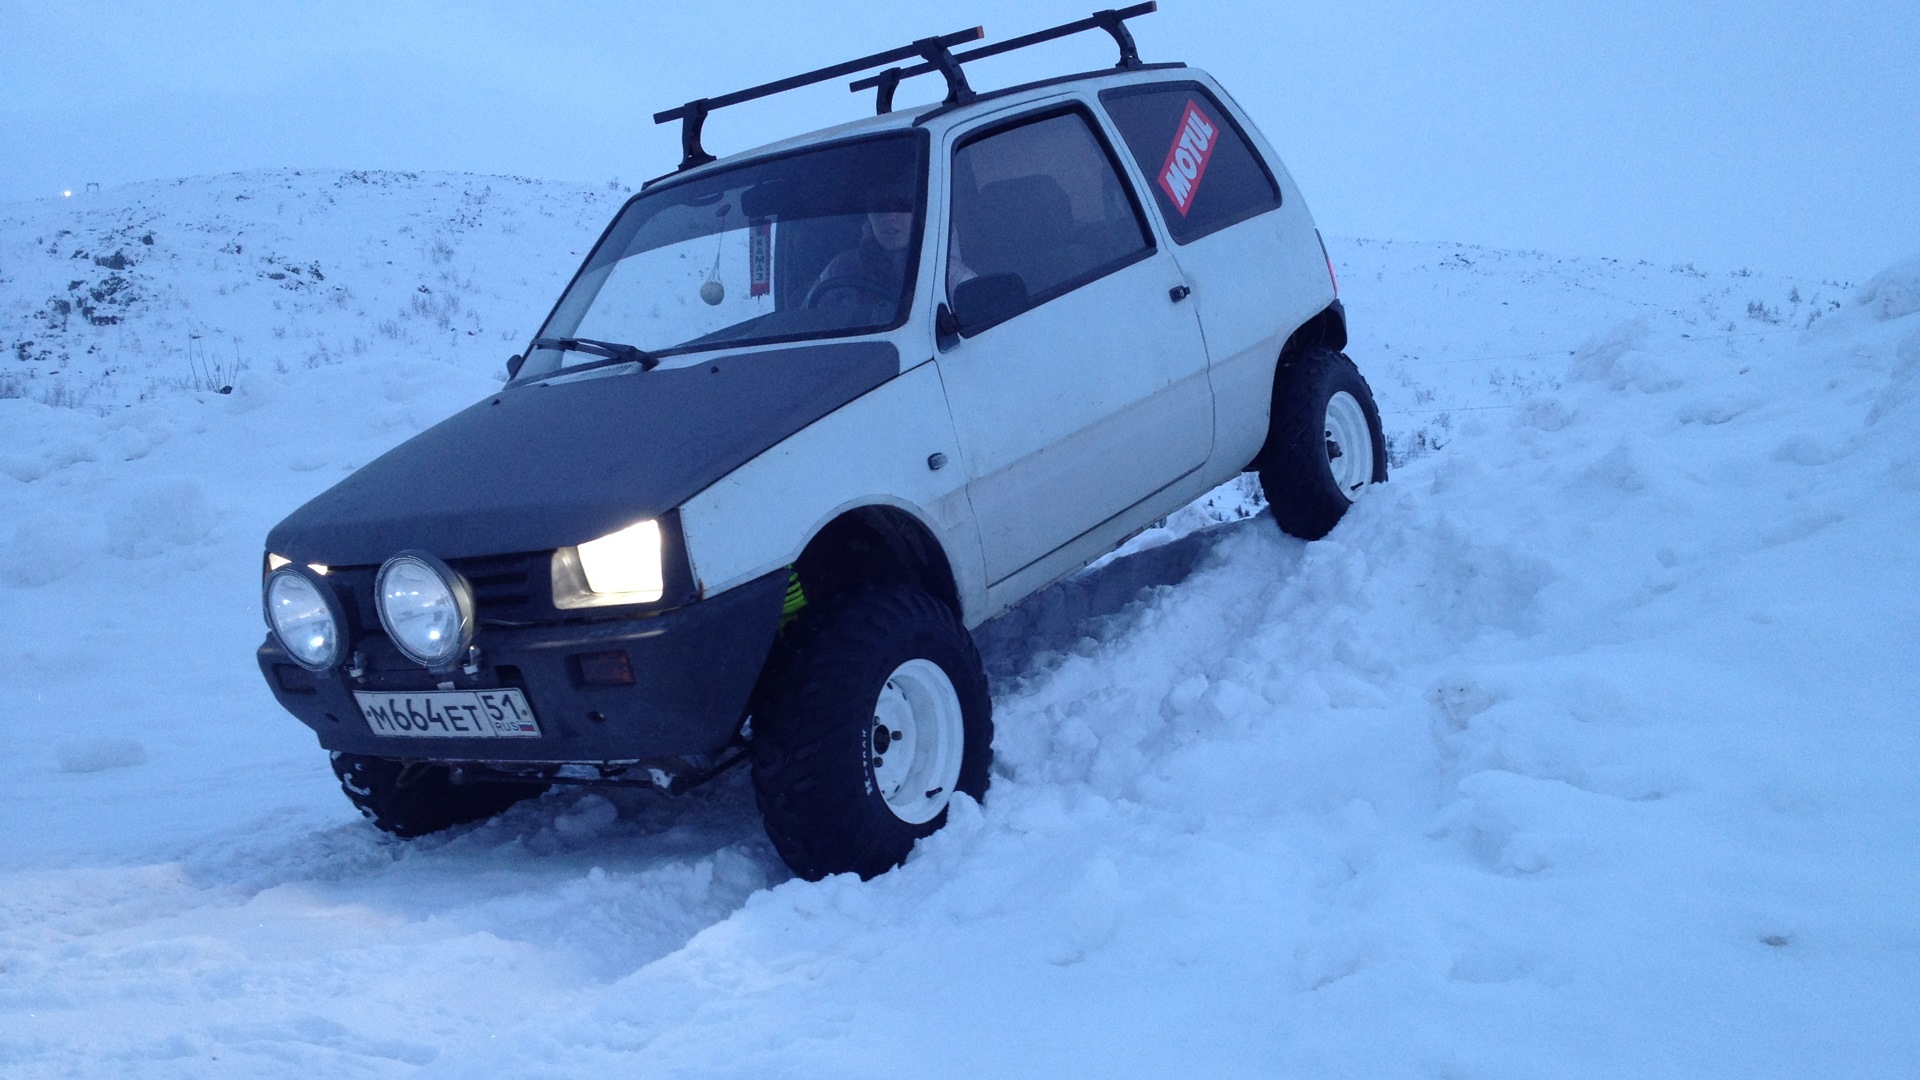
(1326, 330)
(877, 543)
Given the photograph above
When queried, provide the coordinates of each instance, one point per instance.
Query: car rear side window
(1040, 205)
(1203, 172)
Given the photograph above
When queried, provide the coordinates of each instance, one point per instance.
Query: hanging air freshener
(711, 290)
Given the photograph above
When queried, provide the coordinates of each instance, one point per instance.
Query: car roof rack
(1112, 20)
(936, 55)
(934, 50)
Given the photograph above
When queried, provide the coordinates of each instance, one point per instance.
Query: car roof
(901, 120)
(921, 115)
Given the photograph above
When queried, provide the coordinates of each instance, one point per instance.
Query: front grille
(506, 588)
(503, 585)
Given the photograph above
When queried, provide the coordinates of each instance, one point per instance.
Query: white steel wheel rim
(1349, 445)
(916, 742)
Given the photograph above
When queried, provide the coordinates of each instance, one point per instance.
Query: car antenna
(933, 50)
(1113, 21)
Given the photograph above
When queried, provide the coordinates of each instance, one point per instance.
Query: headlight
(624, 567)
(305, 615)
(427, 609)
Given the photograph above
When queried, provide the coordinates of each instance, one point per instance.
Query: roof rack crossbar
(1113, 21)
(934, 51)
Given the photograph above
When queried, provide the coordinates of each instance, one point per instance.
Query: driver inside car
(874, 269)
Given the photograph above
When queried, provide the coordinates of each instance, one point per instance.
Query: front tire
(1324, 443)
(410, 800)
(869, 719)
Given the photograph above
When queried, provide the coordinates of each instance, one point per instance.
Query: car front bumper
(693, 670)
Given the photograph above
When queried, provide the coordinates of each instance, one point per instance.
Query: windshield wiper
(613, 351)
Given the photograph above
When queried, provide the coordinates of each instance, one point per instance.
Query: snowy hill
(199, 283)
(1585, 747)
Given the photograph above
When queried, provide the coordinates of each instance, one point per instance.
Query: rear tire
(410, 802)
(1324, 443)
(871, 714)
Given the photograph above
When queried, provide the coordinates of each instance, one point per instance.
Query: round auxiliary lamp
(426, 608)
(306, 615)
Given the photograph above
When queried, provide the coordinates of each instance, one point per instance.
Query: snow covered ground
(1586, 747)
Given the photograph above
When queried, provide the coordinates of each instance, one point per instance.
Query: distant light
(67, 194)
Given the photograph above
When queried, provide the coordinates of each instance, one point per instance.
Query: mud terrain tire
(1321, 409)
(831, 802)
(425, 800)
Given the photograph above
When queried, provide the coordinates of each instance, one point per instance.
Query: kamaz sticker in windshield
(760, 258)
(1186, 162)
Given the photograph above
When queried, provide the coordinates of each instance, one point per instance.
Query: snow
(1585, 747)
(1894, 292)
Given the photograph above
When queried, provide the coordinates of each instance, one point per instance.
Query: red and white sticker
(760, 258)
(1187, 161)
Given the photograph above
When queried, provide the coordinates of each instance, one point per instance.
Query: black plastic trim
(695, 669)
(1326, 330)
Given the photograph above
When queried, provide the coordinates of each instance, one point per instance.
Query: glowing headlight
(625, 562)
(427, 609)
(624, 567)
(306, 617)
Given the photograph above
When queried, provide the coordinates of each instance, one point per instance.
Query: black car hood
(544, 465)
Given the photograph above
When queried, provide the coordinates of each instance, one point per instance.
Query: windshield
(815, 244)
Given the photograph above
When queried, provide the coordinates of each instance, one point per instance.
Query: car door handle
(1179, 293)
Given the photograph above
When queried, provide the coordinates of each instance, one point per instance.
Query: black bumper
(693, 670)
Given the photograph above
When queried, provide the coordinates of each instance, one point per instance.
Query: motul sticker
(760, 258)
(1187, 160)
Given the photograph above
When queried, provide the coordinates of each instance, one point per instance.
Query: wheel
(1324, 444)
(413, 799)
(868, 720)
(873, 292)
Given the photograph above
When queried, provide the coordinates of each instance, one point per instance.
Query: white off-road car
(804, 417)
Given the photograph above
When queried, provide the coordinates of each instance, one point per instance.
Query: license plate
(450, 714)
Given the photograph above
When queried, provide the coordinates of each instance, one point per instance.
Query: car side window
(1039, 209)
(1204, 173)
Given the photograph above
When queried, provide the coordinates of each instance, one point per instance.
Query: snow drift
(1585, 747)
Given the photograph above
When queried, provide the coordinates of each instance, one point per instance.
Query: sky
(1760, 133)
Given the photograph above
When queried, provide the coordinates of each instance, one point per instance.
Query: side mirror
(983, 301)
(514, 364)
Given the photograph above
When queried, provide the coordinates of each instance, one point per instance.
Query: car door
(1222, 207)
(1075, 371)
